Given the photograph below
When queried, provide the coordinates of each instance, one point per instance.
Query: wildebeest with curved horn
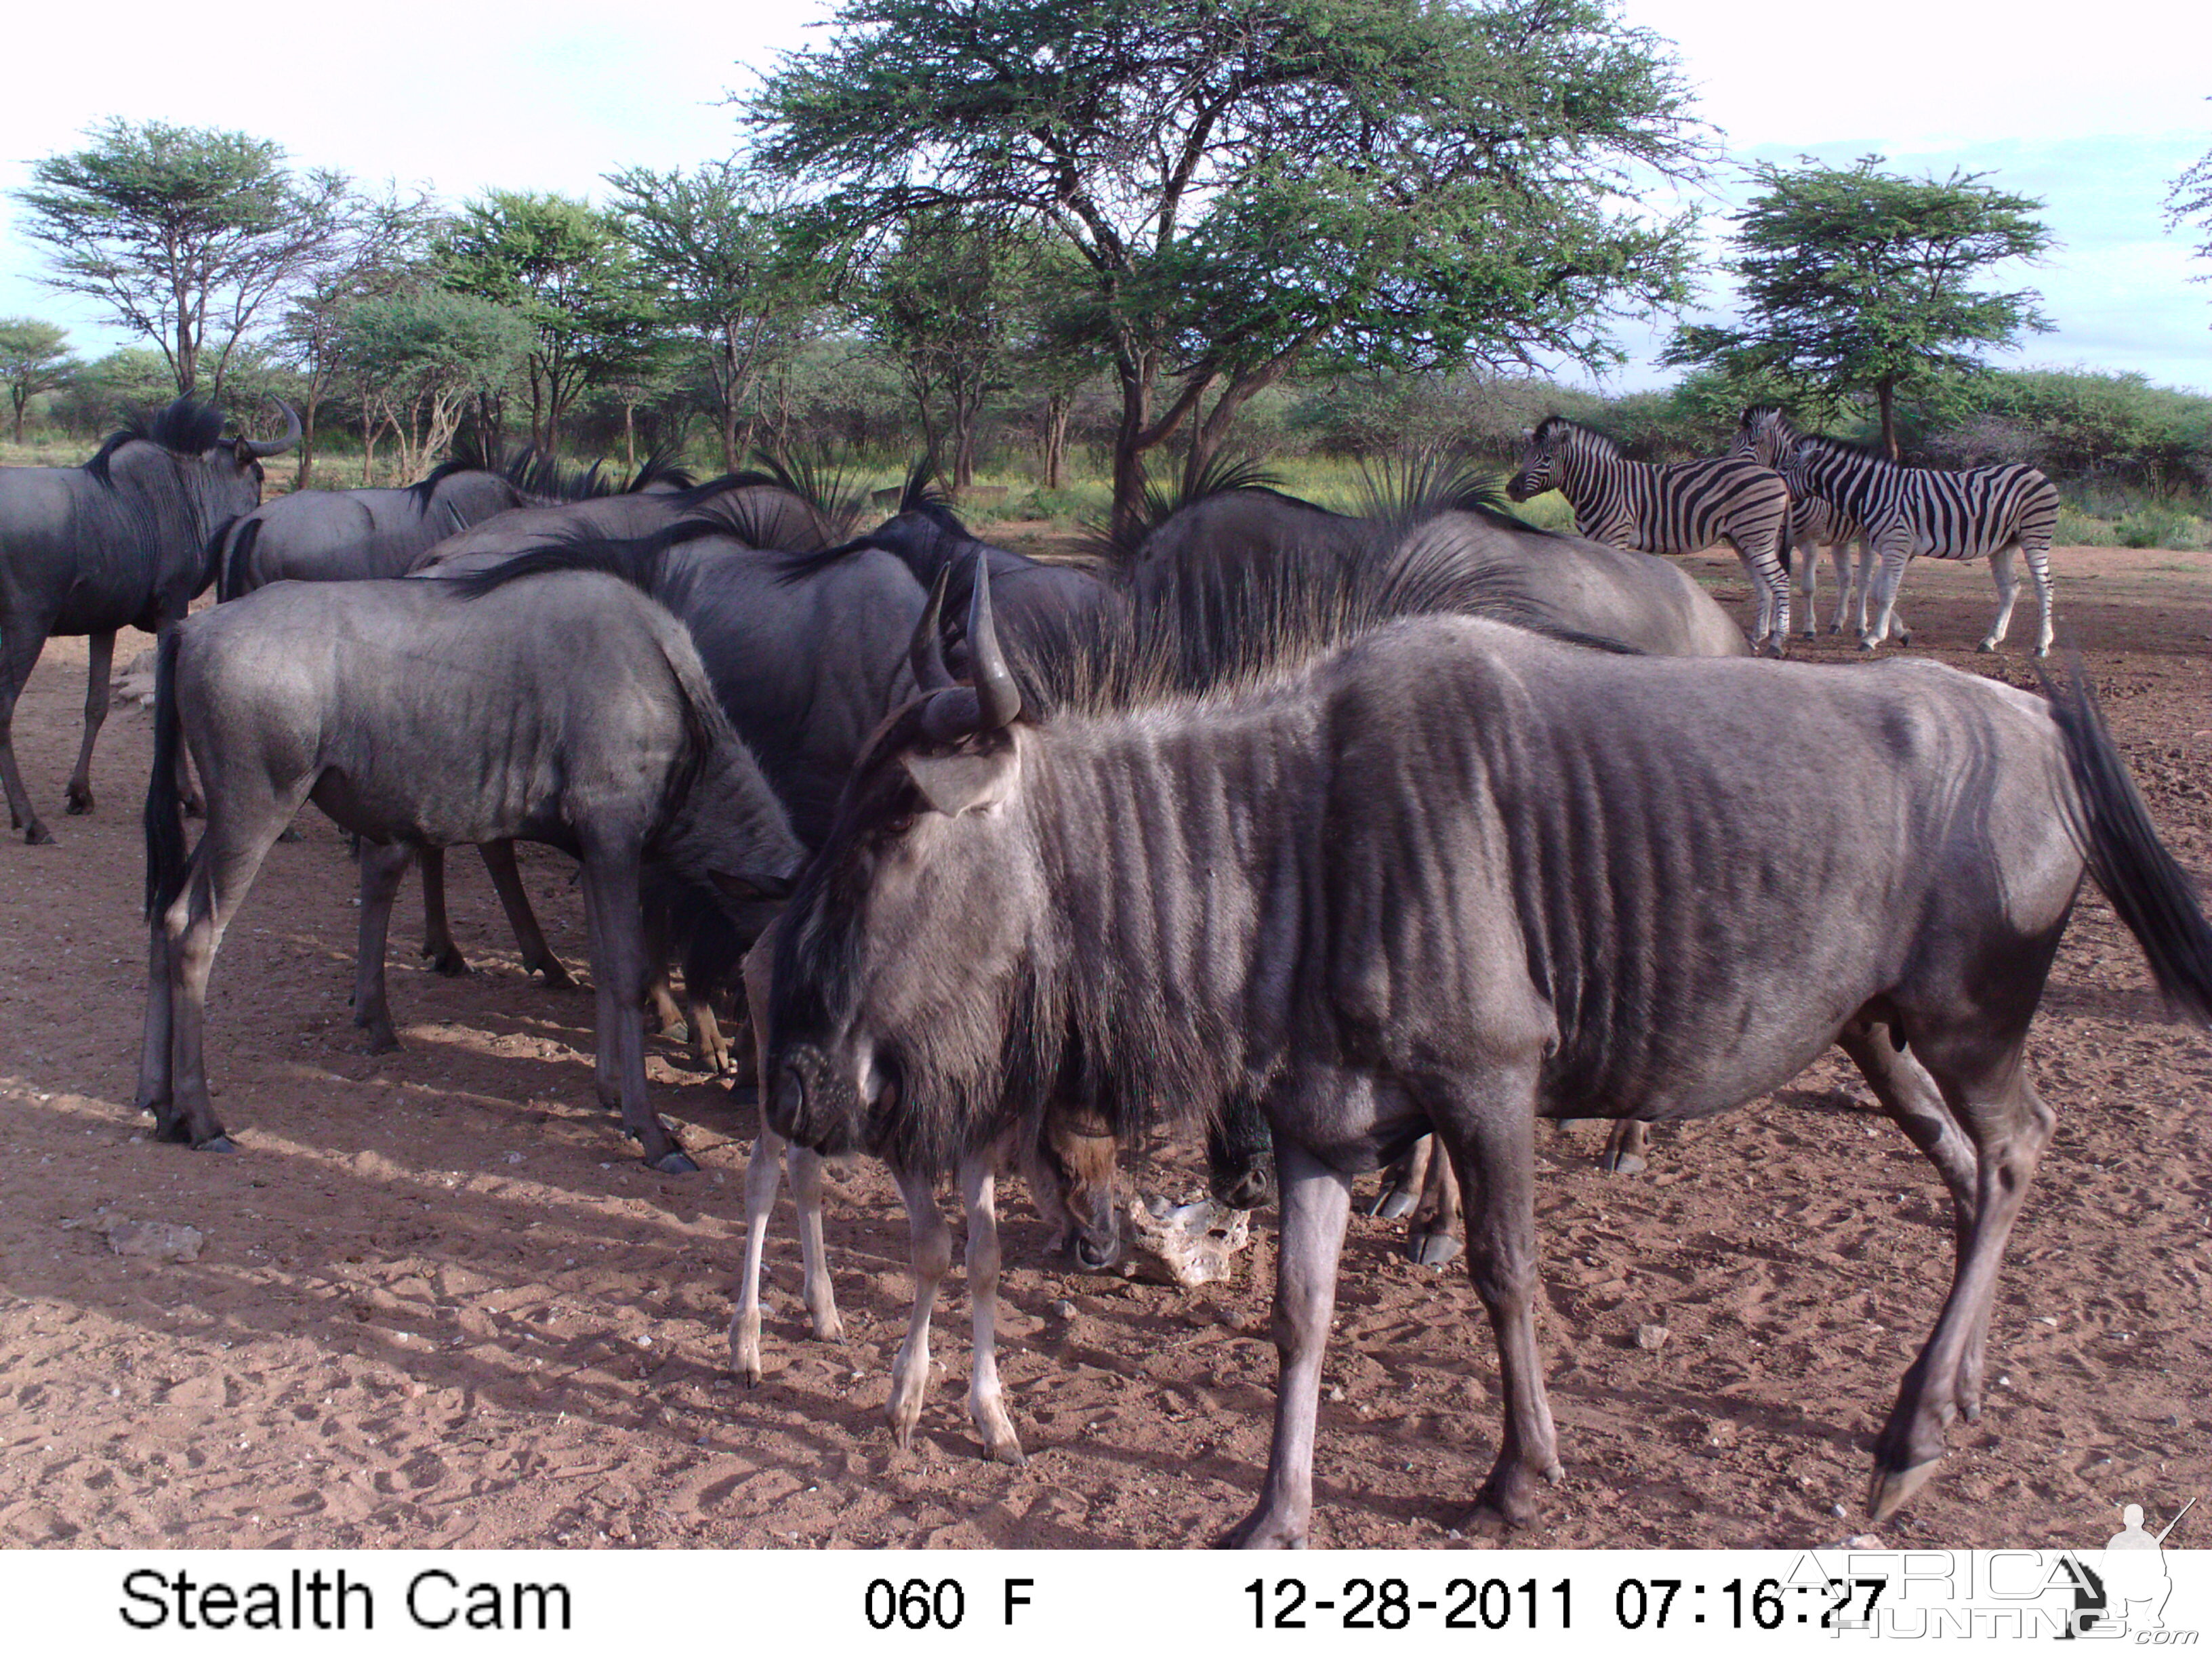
(567, 709)
(127, 540)
(1450, 879)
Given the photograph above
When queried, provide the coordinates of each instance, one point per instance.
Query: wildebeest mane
(660, 466)
(182, 426)
(820, 481)
(635, 559)
(1224, 474)
(1202, 631)
(926, 534)
(1403, 493)
(426, 486)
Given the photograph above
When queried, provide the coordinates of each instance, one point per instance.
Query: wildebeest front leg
(763, 1173)
(1316, 1202)
(617, 944)
(155, 1093)
(537, 956)
(19, 654)
(95, 714)
(2009, 1126)
(986, 1402)
(932, 1260)
(382, 870)
(440, 954)
(1493, 1146)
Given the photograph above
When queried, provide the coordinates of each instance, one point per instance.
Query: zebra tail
(165, 802)
(2109, 822)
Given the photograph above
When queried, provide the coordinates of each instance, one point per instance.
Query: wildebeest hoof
(291, 833)
(1626, 1164)
(1433, 1249)
(1396, 1204)
(1890, 1490)
(79, 805)
(675, 1162)
(449, 962)
(382, 1039)
(37, 834)
(217, 1142)
(556, 976)
(1261, 1531)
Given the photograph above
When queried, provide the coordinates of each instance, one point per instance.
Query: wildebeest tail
(231, 579)
(2146, 887)
(165, 803)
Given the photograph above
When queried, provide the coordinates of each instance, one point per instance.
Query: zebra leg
(1841, 553)
(2007, 582)
(1806, 567)
(2038, 570)
(1896, 554)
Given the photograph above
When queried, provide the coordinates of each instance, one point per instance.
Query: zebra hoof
(1987, 645)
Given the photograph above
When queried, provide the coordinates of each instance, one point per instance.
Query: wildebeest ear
(747, 886)
(962, 781)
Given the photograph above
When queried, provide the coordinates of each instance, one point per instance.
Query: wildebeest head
(1074, 1179)
(221, 476)
(904, 956)
(1538, 468)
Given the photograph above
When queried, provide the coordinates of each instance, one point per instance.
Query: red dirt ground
(441, 1304)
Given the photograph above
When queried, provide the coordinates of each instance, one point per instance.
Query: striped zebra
(1814, 525)
(1684, 508)
(1907, 512)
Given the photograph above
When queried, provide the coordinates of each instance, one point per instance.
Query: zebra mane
(1554, 424)
(1847, 447)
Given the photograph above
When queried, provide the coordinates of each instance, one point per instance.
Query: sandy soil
(439, 1303)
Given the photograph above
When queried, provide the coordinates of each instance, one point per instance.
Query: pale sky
(2095, 113)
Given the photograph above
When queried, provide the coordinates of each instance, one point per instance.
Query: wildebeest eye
(897, 825)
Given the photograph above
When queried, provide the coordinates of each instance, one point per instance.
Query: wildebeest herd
(1335, 836)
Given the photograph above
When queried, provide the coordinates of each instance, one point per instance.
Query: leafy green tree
(562, 264)
(420, 357)
(946, 305)
(1253, 184)
(186, 234)
(726, 249)
(34, 357)
(1857, 281)
(380, 248)
(134, 377)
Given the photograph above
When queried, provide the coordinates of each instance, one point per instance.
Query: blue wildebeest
(568, 710)
(127, 540)
(1450, 879)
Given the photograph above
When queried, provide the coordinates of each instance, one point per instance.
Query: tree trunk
(1056, 407)
(21, 399)
(311, 403)
(629, 434)
(1886, 394)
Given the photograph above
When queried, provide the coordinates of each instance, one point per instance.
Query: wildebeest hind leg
(382, 870)
(986, 1404)
(932, 1259)
(95, 714)
(1625, 1148)
(1316, 1202)
(1432, 1237)
(1493, 1146)
(223, 867)
(537, 956)
(440, 954)
(1402, 1182)
(2008, 1125)
(617, 944)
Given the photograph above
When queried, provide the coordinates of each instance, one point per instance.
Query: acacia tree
(560, 263)
(1254, 183)
(420, 358)
(379, 251)
(2190, 199)
(945, 305)
(725, 249)
(1857, 282)
(34, 357)
(180, 230)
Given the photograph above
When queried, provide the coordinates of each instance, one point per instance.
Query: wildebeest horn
(997, 699)
(278, 446)
(926, 653)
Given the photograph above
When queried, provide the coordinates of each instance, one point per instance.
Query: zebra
(1907, 511)
(1813, 525)
(1681, 508)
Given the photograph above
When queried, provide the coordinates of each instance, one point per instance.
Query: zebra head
(1538, 469)
(1764, 436)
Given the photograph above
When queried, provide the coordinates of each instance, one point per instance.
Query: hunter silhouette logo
(2126, 1591)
